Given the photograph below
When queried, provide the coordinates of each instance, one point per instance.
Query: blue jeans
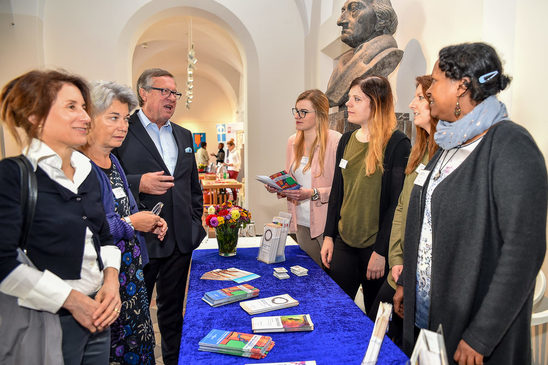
(80, 346)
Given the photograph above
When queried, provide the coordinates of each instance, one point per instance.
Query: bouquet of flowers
(227, 219)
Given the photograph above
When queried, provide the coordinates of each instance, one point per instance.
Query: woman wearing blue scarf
(476, 227)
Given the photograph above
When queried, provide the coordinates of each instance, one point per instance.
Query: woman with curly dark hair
(476, 227)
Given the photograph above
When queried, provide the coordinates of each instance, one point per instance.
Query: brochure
(288, 323)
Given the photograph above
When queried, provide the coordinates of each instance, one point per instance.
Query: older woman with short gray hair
(132, 339)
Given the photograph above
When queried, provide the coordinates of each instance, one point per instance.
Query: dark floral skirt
(132, 335)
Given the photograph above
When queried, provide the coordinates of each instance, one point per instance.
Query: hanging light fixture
(192, 60)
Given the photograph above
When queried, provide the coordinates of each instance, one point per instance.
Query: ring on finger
(116, 310)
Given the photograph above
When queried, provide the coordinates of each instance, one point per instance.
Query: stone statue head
(362, 20)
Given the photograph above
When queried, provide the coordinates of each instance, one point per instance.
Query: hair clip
(488, 76)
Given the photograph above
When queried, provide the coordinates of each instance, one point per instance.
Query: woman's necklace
(444, 163)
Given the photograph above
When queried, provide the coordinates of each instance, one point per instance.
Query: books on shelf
(429, 348)
(288, 323)
(272, 248)
(262, 305)
(234, 274)
(216, 298)
(279, 181)
(236, 343)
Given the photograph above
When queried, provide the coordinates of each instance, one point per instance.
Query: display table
(341, 333)
(212, 190)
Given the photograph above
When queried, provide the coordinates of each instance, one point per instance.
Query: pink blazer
(318, 208)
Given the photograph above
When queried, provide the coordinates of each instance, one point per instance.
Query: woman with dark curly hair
(476, 227)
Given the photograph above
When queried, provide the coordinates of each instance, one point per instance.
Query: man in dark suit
(157, 156)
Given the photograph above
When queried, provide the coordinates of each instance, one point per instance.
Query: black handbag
(28, 336)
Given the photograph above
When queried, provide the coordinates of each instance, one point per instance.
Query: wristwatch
(128, 221)
(316, 194)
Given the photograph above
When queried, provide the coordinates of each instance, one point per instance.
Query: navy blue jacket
(57, 237)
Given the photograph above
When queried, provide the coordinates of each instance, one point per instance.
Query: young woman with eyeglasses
(310, 159)
(367, 183)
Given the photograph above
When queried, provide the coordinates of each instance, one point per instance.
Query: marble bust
(367, 27)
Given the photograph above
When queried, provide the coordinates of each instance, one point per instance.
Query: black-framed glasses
(165, 92)
(301, 113)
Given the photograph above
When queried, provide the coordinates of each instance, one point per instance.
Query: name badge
(420, 168)
(119, 193)
(421, 178)
(343, 163)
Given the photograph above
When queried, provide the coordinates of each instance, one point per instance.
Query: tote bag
(28, 336)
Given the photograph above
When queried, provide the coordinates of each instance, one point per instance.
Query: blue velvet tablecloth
(341, 330)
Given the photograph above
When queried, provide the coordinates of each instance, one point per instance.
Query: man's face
(159, 109)
(358, 21)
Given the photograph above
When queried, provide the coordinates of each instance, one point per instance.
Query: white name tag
(343, 163)
(421, 178)
(119, 193)
(420, 168)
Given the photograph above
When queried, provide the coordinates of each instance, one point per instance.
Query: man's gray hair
(387, 20)
(103, 93)
(145, 80)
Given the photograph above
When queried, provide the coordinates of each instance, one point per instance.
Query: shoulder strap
(29, 194)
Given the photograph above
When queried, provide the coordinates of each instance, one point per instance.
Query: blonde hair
(382, 121)
(321, 109)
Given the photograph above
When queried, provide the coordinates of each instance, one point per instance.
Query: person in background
(369, 174)
(132, 335)
(157, 156)
(220, 156)
(475, 237)
(421, 152)
(76, 261)
(202, 157)
(310, 159)
(232, 160)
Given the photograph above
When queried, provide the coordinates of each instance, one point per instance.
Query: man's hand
(155, 183)
(466, 355)
(398, 301)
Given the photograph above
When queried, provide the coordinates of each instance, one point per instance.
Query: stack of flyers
(236, 343)
(281, 273)
(237, 275)
(257, 306)
(309, 362)
(288, 323)
(299, 270)
(233, 294)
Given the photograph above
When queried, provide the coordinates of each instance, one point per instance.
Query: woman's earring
(457, 109)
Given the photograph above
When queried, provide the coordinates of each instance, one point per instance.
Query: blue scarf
(481, 118)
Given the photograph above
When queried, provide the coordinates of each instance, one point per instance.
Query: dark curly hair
(474, 60)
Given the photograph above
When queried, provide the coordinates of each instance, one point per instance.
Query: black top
(396, 154)
(57, 237)
(220, 156)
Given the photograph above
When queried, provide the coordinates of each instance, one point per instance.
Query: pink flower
(213, 222)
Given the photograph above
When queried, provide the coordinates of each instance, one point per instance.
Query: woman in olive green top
(366, 185)
(423, 149)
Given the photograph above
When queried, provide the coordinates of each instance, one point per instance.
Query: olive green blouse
(359, 222)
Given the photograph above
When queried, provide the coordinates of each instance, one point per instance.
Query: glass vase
(227, 239)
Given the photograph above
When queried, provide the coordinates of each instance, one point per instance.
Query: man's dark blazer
(183, 203)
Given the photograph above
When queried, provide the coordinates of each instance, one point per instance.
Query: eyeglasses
(166, 92)
(301, 113)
